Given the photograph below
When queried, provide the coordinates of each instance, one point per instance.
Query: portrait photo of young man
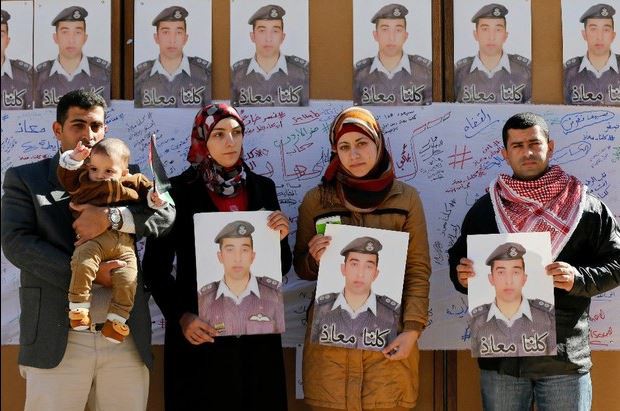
(68, 66)
(393, 75)
(495, 73)
(241, 300)
(591, 68)
(272, 75)
(16, 65)
(512, 324)
(166, 74)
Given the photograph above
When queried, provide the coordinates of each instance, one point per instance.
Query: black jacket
(594, 250)
(234, 373)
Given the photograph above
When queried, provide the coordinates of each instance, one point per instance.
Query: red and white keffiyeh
(553, 203)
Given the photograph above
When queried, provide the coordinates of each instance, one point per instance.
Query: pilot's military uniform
(526, 337)
(290, 88)
(261, 311)
(17, 76)
(530, 334)
(334, 325)
(581, 85)
(374, 87)
(475, 86)
(383, 323)
(253, 315)
(50, 87)
(186, 89)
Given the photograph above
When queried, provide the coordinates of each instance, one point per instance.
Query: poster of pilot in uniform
(269, 53)
(511, 300)
(17, 71)
(392, 52)
(238, 273)
(359, 288)
(591, 52)
(72, 49)
(492, 51)
(172, 53)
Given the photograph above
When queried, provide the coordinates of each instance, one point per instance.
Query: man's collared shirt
(612, 64)
(6, 68)
(252, 288)
(502, 64)
(369, 304)
(280, 65)
(83, 66)
(524, 310)
(183, 67)
(402, 64)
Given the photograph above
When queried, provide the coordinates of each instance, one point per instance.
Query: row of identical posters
(358, 298)
(52, 46)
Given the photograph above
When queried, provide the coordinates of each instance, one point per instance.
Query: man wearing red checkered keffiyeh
(585, 243)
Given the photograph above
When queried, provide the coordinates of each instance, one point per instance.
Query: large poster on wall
(72, 49)
(172, 53)
(17, 71)
(392, 52)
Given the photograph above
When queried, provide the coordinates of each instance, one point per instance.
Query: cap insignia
(370, 246)
(77, 14)
(396, 12)
(273, 13)
(242, 230)
(177, 14)
(496, 12)
(604, 12)
(512, 252)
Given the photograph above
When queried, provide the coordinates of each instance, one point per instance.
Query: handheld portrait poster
(511, 303)
(239, 273)
(492, 51)
(172, 53)
(72, 49)
(269, 53)
(590, 46)
(17, 70)
(392, 52)
(359, 288)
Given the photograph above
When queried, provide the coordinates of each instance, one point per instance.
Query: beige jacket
(355, 379)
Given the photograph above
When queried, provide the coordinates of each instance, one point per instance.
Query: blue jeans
(501, 392)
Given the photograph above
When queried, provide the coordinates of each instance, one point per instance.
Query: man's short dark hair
(346, 257)
(57, 24)
(499, 18)
(83, 99)
(254, 24)
(493, 264)
(521, 121)
(250, 237)
(164, 21)
(585, 23)
(377, 23)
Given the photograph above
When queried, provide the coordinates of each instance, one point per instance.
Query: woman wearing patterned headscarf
(202, 372)
(360, 188)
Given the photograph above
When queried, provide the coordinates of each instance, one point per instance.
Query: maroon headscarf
(360, 193)
(224, 181)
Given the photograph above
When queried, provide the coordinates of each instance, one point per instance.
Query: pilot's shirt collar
(6, 68)
(524, 310)
(403, 64)
(503, 63)
(183, 67)
(370, 304)
(252, 288)
(612, 64)
(280, 65)
(58, 68)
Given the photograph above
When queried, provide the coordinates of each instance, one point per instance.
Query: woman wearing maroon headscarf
(200, 371)
(359, 186)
